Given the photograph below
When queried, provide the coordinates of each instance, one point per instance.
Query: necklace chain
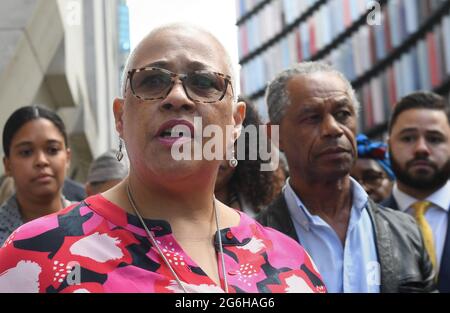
(156, 245)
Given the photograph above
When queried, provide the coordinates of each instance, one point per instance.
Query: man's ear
(118, 115)
(238, 116)
(7, 166)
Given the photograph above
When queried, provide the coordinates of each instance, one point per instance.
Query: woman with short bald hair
(161, 229)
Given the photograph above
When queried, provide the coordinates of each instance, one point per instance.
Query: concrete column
(30, 33)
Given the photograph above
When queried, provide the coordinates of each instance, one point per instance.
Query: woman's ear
(118, 115)
(7, 166)
(238, 116)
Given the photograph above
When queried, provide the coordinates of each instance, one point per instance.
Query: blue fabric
(375, 150)
(352, 267)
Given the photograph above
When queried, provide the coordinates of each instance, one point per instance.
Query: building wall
(386, 48)
(30, 33)
(63, 54)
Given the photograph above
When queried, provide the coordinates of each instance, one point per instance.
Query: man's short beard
(432, 183)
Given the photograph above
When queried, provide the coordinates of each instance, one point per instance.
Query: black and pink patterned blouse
(95, 246)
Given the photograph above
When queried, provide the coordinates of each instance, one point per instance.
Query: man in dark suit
(419, 148)
(356, 245)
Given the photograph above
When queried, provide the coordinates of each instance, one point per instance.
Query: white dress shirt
(436, 215)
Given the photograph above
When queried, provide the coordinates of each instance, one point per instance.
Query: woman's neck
(31, 209)
(190, 201)
(191, 211)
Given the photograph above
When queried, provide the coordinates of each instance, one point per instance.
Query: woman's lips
(43, 178)
(175, 126)
(170, 141)
(185, 124)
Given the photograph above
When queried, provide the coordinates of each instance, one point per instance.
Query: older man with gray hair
(357, 245)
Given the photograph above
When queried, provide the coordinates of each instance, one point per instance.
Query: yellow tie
(419, 209)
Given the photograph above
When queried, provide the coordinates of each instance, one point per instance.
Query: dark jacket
(73, 191)
(405, 265)
(444, 271)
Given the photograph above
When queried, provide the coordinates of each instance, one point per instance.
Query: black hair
(24, 115)
(419, 100)
(259, 188)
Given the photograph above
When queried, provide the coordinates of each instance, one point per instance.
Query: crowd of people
(343, 213)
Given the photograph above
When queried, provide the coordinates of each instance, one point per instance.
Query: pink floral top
(95, 246)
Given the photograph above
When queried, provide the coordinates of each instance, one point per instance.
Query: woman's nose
(41, 159)
(177, 98)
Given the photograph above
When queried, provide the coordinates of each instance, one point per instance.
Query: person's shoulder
(277, 238)
(273, 208)
(6, 206)
(400, 222)
(45, 226)
(73, 190)
(10, 218)
(29, 255)
(24, 255)
(4, 210)
(390, 214)
(278, 201)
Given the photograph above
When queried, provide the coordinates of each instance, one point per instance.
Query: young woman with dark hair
(245, 187)
(36, 157)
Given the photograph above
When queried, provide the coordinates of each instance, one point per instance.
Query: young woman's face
(38, 159)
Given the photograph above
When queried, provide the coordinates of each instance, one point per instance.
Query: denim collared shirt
(352, 267)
